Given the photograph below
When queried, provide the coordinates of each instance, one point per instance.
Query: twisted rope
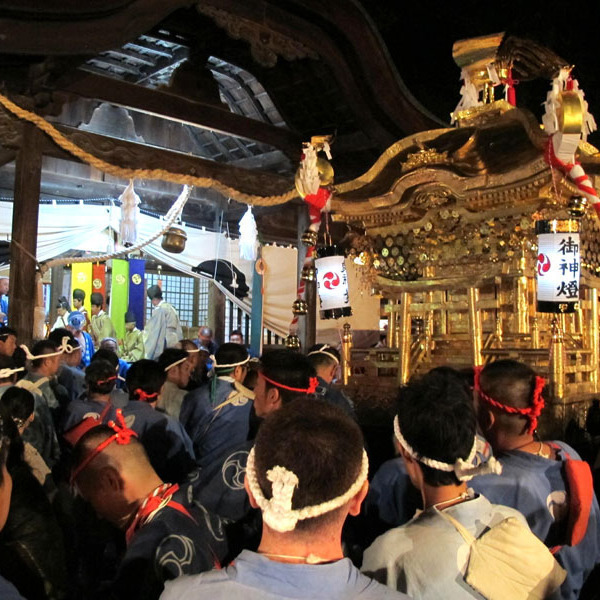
(125, 173)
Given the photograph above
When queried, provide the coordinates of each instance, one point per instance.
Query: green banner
(119, 295)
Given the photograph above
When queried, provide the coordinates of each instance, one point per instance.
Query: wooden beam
(183, 110)
(55, 28)
(140, 156)
(23, 291)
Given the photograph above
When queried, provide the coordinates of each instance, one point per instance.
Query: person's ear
(486, 419)
(356, 502)
(111, 479)
(333, 370)
(273, 399)
(253, 503)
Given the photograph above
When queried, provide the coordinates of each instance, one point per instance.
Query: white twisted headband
(277, 511)
(64, 347)
(323, 350)
(237, 364)
(4, 373)
(464, 469)
(177, 362)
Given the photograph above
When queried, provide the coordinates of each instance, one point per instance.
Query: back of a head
(512, 384)
(58, 334)
(145, 376)
(19, 404)
(100, 377)
(97, 299)
(187, 345)
(320, 444)
(229, 354)
(130, 457)
(437, 419)
(108, 356)
(171, 356)
(42, 347)
(287, 368)
(323, 355)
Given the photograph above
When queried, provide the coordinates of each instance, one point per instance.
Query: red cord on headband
(144, 396)
(122, 436)
(531, 412)
(107, 380)
(313, 382)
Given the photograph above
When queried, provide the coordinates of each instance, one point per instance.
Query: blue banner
(137, 290)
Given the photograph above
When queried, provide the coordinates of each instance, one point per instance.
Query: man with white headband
(216, 416)
(435, 433)
(177, 367)
(284, 375)
(45, 360)
(305, 498)
(326, 361)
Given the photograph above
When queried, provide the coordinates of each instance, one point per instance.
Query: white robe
(162, 331)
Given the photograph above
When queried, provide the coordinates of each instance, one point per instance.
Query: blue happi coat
(182, 538)
(216, 420)
(254, 577)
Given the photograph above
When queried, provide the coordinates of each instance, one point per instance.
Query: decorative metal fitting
(292, 342)
(308, 274)
(300, 307)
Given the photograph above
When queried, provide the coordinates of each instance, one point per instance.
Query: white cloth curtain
(87, 227)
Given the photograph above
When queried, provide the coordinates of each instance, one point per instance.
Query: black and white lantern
(332, 284)
(558, 265)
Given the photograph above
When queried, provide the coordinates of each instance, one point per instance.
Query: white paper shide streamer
(129, 215)
(248, 236)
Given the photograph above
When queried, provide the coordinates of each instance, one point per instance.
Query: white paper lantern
(332, 285)
(558, 265)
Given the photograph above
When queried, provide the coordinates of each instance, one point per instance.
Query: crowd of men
(128, 477)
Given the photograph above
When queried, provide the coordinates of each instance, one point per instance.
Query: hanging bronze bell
(292, 342)
(309, 238)
(174, 240)
(300, 307)
(308, 274)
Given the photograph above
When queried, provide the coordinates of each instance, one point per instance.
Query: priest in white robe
(163, 330)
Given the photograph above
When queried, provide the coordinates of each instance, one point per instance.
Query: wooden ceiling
(236, 85)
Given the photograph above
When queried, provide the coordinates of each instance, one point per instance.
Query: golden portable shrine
(449, 219)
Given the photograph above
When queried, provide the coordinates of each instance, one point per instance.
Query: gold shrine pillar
(593, 336)
(346, 353)
(475, 329)
(404, 335)
(522, 304)
(391, 332)
(557, 360)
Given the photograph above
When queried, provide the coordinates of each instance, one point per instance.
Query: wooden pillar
(216, 312)
(28, 173)
(307, 325)
(56, 288)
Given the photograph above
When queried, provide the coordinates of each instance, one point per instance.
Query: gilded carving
(265, 44)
